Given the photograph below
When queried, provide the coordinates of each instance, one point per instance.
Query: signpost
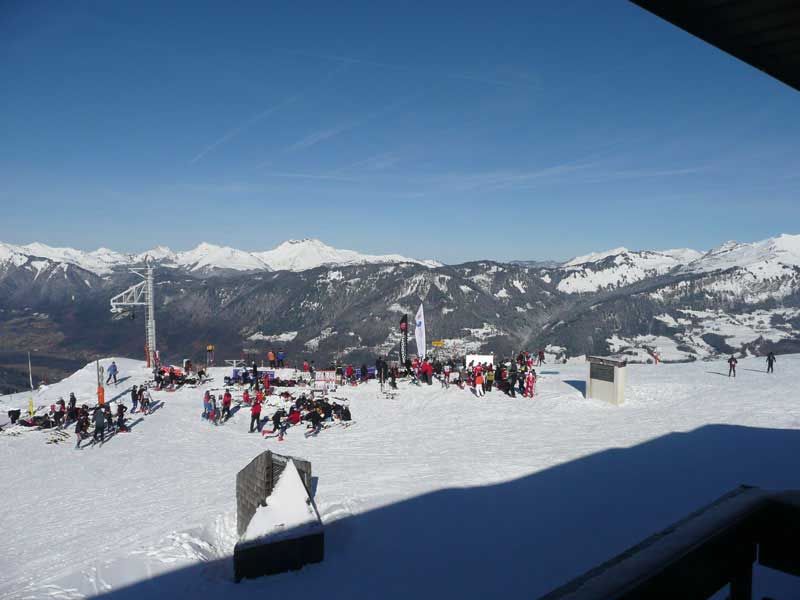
(606, 379)
(210, 355)
(101, 392)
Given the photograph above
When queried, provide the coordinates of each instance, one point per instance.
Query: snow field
(433, 491)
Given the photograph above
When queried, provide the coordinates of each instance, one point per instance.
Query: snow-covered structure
(278, 524)
(606, 379)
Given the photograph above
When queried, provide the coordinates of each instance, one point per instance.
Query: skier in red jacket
(255, 415)
(427, 371)
(226, 405)
(530, 384)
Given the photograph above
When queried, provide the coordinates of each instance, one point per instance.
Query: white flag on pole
(30, 371)
(419, 331)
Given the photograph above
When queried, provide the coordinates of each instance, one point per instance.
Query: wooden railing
(697, 556)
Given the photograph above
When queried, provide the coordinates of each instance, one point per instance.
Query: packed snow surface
(433, 492)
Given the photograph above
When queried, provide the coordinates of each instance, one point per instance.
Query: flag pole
(31, 410)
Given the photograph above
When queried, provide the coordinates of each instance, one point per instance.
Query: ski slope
(433, 492)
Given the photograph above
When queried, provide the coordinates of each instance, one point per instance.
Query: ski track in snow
(78, 523)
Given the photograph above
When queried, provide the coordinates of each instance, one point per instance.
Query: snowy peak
(299, 255)
(619, 267)
(10, 255)
(157, 254)
(208, 257)
(683, 255)
(101, 261)
(593, 257)
(766, 258)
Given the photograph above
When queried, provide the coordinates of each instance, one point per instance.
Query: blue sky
(453, 130)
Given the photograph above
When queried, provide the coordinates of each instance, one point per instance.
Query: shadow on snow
(517, 539)
(578, 384)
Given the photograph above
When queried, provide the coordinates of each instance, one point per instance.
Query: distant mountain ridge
(206, 258)
(329, 304)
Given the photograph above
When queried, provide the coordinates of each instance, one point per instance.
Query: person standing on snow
(255, 376)
(732, 362)
(489, 378)
(281, 358)
(446, 375)
(512, 380)
(109, 418)
(81, 427)
(479, 392)
(99, 424)
(134, 398)
(112, 373)
(255, 415)
(770, 362)
(226, 405)
(530, 383)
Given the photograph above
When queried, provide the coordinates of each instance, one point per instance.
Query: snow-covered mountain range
(292, 255)
(593, 272)
(335, 304)
(757, 261)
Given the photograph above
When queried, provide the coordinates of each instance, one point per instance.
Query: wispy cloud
(313, 176)
(320, 136)
(645, 173)
(506, 179)
(523, 81)
(316, 137)
(377, 162)
(217, 188)
(245, 126)
(261, 116)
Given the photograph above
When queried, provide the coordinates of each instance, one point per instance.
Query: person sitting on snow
(121, 408)
(294, 416)
(315, 419)
(277, 416)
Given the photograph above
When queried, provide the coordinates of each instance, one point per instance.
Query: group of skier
(103, 419)
(141, 400)
(218, 411)
(511, 378)
(732, 362)
(276, 360)
(315, 411)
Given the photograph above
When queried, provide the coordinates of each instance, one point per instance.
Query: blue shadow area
(578, 384)
(520, 538)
